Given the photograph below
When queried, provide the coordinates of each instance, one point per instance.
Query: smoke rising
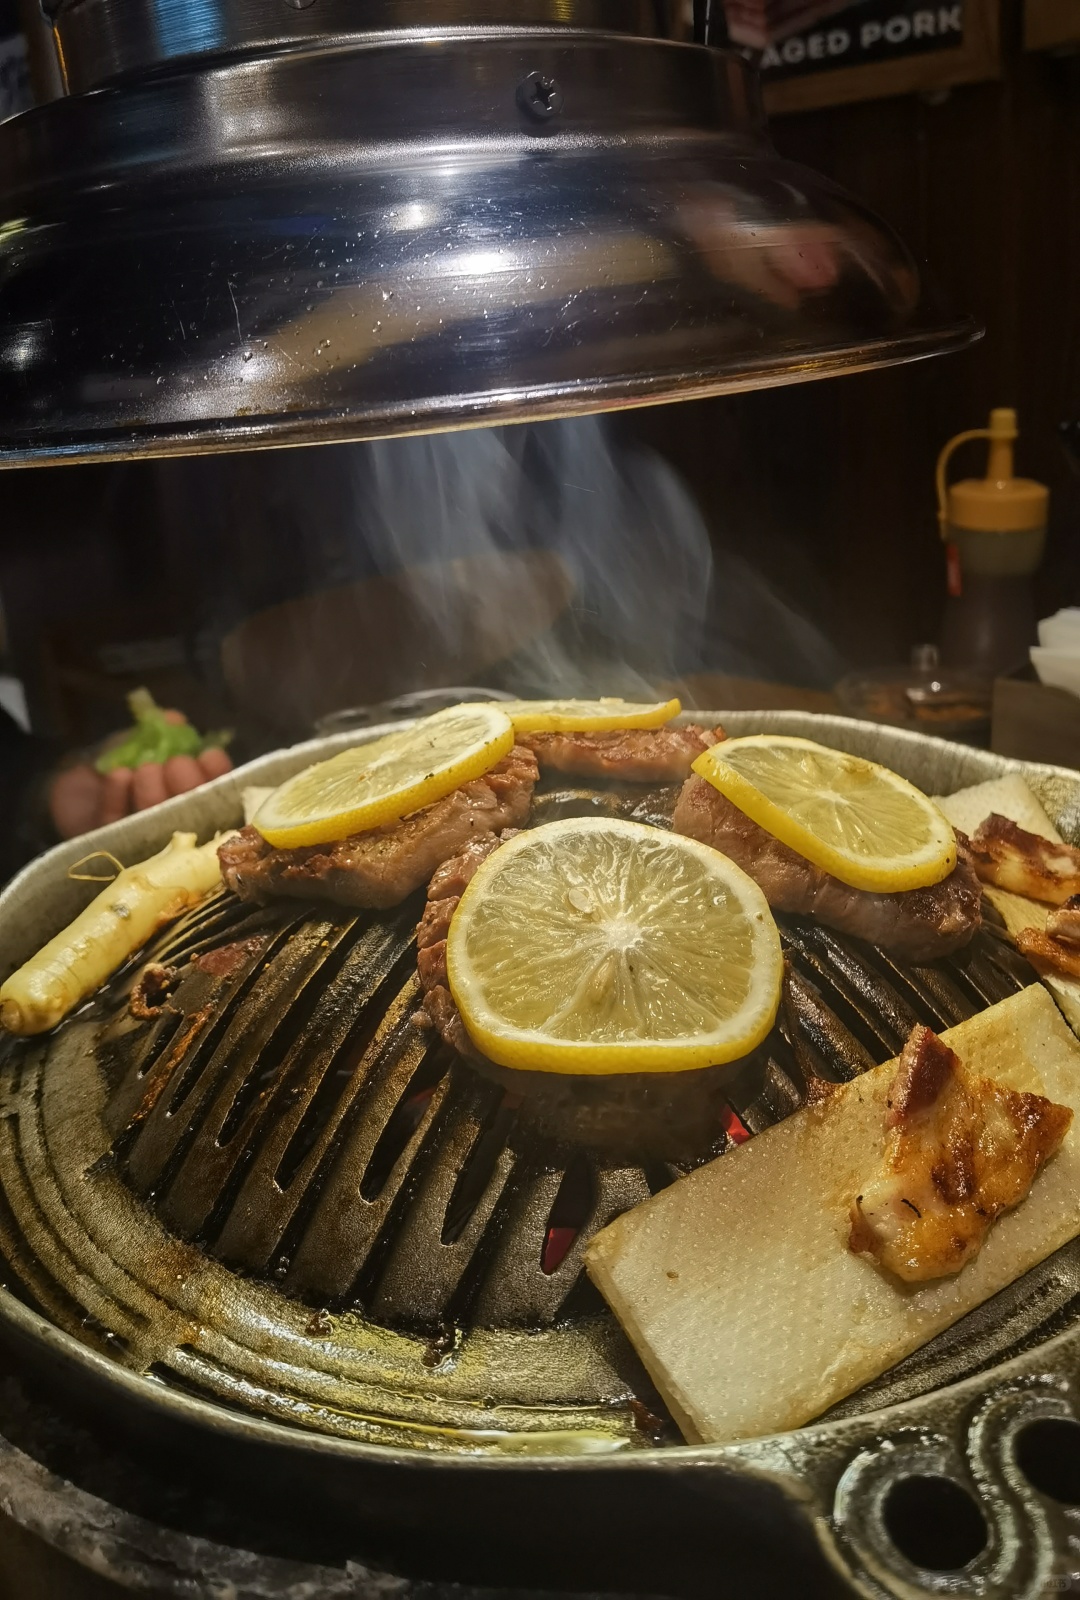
(649, 596)
(624, 527)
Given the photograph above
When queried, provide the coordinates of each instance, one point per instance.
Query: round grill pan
(227, 1243)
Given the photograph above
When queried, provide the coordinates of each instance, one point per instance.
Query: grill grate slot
(515, 1290)
(427, 1263)
(823, 1046)
(570, 1210)
(477, 1170)
(405, 1119)
(344, 1235)
(931, 992)
(857, 986)
(164, 1033)
(661, 1175)
(991, 969)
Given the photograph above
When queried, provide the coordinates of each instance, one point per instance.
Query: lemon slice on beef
(380, 782)
(866, 825)
(587, 716)
(598, 946)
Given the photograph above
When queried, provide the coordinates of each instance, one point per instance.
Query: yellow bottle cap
(998, 503)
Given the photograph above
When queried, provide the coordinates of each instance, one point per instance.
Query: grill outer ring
(835, 1474)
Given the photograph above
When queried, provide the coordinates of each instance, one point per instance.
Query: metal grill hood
(256, 222)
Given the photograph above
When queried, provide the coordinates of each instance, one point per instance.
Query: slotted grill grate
(283, 1192)
(292, 1118)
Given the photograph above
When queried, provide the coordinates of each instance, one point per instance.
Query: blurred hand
(81, 798)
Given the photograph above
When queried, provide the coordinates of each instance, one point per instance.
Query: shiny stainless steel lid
(307, 220)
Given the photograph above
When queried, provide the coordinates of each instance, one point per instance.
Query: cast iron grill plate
(284, 1192)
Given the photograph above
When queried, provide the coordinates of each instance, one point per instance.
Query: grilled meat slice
(916, 925)
(959, 1150)
(1054, 948)
(1009, 857)
(384, 865)
(1048, 954)
(634, 755)
(632, 1117)
(444, 1016)
(444, 891)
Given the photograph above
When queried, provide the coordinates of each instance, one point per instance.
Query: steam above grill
(273, 225)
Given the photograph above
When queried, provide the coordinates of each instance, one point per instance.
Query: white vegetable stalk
(123, 917)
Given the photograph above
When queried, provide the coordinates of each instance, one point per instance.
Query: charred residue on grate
(294, 1119)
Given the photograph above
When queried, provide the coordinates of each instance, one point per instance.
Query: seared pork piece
(441, 1012)
(959, 1150)
(444, 891)
(917, 925)
(384, 865)
(1055, 948)
(641, 1115)
(1009, 857)
(1064, 923)
(1047, 954)
(634, 755)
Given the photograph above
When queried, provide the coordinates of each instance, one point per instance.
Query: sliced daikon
(737, 1287)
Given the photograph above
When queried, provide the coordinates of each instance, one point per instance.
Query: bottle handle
(943, 466)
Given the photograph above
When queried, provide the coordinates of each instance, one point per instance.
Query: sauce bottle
(995, 532)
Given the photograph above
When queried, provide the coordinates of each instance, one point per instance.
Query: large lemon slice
(864, 824)
(386, 779)
(587, 716)
(598, 946)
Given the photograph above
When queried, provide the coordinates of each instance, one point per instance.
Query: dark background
(985, 186)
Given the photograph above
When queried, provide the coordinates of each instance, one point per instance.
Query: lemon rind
(524, 1054)
(527, 1051)
(875, 874)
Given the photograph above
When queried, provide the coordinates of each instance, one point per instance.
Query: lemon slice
(386, 779)
(866, 825)
(587, 716)
(598, 946)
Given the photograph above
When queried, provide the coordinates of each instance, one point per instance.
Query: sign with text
(873, 30)
(825, 52)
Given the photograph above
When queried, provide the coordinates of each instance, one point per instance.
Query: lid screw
(539, 96)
